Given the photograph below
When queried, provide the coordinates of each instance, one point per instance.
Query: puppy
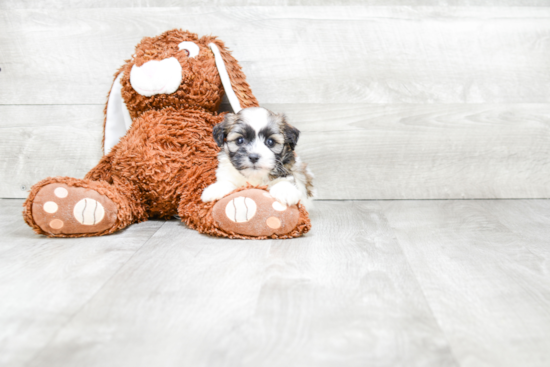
(258, 148)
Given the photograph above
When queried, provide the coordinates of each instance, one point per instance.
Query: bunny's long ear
(233, 79)
(117, 117)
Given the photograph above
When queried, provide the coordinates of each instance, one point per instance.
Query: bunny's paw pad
(63, 209)
(255, 213)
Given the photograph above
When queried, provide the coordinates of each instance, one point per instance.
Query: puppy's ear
(291, 134)
(219, 133)
(220, 130)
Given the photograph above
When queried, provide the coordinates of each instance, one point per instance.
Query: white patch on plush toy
(233, 100)
(118, 118)
(191, 47)
(88, 211)
(240, 209)
(278, 206)
(156, 77)
(50, 207)
(61, 192)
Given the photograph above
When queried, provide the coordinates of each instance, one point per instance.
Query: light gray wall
(395, 102)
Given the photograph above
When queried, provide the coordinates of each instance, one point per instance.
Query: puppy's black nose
(254, 157)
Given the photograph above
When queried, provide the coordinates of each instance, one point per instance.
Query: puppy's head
(258, 142)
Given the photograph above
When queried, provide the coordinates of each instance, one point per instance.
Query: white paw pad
(61, 192)
(50, 207)
(278, 206)
(240, 209)
(88, 212)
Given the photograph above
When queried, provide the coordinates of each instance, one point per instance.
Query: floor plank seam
(30, 361)
(428, 305)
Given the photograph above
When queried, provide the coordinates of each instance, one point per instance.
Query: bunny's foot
(61, 210)
(256, 213)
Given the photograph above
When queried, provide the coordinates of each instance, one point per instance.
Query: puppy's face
(258, 142)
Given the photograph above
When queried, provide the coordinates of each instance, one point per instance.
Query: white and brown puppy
(258, 148)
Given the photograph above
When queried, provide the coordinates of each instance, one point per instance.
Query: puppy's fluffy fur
(258, 148)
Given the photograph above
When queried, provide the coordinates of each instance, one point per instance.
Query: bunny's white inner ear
(118, 118)
(233, 100)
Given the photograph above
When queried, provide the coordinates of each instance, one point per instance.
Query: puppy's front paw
(217, 191)
(286, 193)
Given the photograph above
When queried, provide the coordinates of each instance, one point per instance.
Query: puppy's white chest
(256, 181)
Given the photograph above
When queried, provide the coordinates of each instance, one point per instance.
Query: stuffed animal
(159, 152)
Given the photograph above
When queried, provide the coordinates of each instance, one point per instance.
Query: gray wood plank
(61, 4)
(426, 151)
(45, 282)
(322, 54)
(44, 141)
(341, 296)
(356, 151)
(483, 266)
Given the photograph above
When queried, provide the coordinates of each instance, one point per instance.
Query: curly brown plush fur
(168, 156)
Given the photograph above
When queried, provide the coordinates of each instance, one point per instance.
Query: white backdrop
(415, 100)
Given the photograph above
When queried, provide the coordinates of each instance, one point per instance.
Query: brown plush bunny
(160, 154)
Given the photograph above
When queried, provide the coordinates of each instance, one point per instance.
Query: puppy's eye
(239, 141)
(270, 142)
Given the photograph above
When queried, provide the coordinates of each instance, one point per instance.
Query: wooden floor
(376, 283)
